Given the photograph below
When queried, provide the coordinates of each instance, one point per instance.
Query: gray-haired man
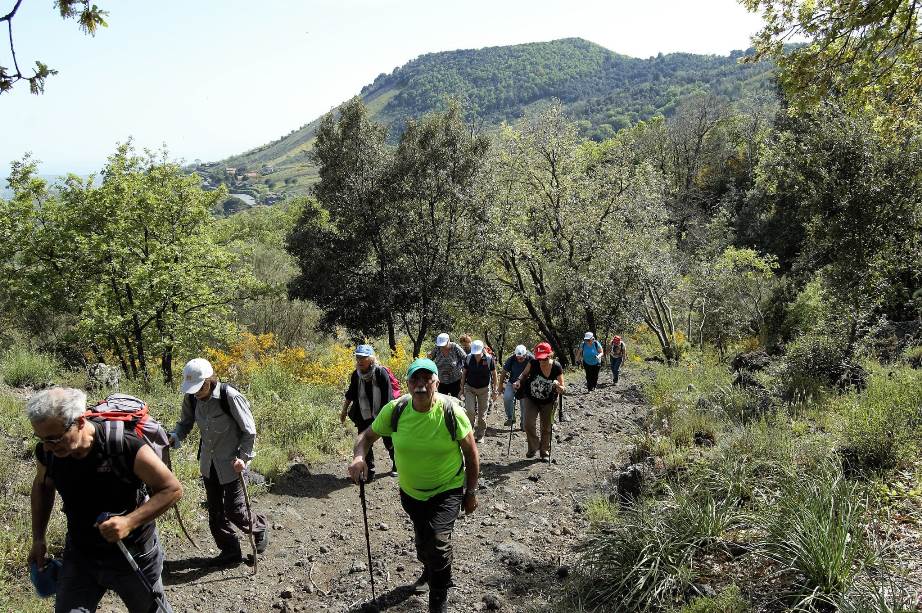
(73, 461)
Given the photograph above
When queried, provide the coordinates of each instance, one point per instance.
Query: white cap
(441, 340)
(520, 350)
(194, 374)
(587, 336)
(477, 347)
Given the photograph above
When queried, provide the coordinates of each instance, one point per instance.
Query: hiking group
(110, 463)
(431, 433)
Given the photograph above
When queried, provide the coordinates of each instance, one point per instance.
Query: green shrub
(645, 558)
(812, 364)
(600, 510)
(641, 562)
(913, 356)
(815, 531)
(882, 425)
(730, 600)
(22, 367)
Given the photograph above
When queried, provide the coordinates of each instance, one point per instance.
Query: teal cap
(422, 363)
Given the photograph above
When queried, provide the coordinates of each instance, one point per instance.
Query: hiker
(512, 369)
(591, 354)
(227, 434)
(543, 377)
(465, 341)
(369, 389)
(439, 466)
(73, 460)
(477, 378)
(449, 357)
(617, 352)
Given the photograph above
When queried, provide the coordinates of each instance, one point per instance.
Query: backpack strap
(448, 407)
(398, 411)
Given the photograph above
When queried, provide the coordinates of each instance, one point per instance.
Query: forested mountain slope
(602, 90)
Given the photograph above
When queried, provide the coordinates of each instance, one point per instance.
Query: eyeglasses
(56, 440)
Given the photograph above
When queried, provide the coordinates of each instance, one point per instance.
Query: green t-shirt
(428, 461)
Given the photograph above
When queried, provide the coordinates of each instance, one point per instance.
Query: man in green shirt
(439, 465)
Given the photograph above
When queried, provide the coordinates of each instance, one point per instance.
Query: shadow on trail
(298, 482)
(179, 572)
(387, 600)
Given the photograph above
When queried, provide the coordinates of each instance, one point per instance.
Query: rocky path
(509, 555)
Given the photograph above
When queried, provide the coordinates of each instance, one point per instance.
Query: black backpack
(448, 407)
(224, 400)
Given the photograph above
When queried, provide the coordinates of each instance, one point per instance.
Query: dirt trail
(507, 554)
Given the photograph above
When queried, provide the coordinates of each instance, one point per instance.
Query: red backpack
(119, 413)
(395, 384)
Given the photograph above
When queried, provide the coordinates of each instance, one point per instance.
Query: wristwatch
(470, 494)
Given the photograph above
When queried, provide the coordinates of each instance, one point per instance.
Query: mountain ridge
(601, 90)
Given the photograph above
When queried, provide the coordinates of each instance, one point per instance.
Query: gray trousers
(86, 577)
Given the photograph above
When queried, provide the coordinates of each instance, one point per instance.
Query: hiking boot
(438, 601)
(545, 457)
(530, 453)
(421, 585)
(262, 540)
(509, 422)
(227, 557)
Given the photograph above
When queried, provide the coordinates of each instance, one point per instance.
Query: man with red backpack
(228, 433)
(76, 460)
(371, 386)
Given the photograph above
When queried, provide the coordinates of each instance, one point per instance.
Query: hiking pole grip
(371, 574)
(134, 565)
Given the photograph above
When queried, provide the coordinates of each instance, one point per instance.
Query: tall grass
(22, 367)
(816, 532)
(883, 425)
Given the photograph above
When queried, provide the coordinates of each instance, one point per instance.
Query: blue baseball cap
(364, 351)
(422, 364)
(45, 579)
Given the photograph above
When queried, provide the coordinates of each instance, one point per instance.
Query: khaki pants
(476, 401)
(546, 412)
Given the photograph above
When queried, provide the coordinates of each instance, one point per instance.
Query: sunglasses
(58, 439)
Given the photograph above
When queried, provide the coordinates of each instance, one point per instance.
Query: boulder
(102, 376)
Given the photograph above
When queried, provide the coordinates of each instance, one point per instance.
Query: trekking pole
(509, 445)
(371, 574)
(134, 566)
(246, 497)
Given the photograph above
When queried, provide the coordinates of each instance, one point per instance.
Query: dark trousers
(451, 389)
(433, 522)
(592, 375)
(615, 368)
(227, 508)
(86, 577)
(364, 424)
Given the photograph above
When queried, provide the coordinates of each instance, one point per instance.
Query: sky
(213, 78)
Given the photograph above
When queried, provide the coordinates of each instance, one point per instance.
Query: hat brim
(415, 370)
(541, 355)
(190, 387)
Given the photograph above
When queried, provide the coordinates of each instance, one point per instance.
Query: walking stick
(134, 566)
(371, 574)
(246, 497)
(509, 445)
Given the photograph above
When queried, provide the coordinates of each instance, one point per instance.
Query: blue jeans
(615, 368)
(509, 403)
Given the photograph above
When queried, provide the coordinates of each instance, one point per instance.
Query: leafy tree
(346, 243)
(867, 52)
(131, 263)
(574, 220)
(90, 18)
(443, 224)
(854, 196)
